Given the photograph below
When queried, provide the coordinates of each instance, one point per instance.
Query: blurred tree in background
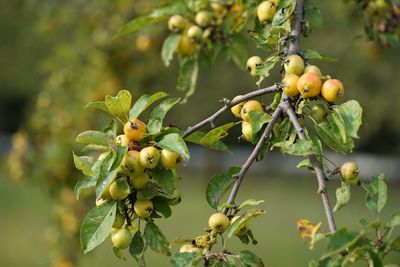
(57, 55)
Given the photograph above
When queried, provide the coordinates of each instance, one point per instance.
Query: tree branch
(296, 30)
(246, 166)
(314, 162)
(228, 104)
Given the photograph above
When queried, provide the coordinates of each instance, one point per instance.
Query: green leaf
(151, 190)
(216, 134)
(83, 184)
(248, 258)
(250, 203)
(158, 114)
(395, 244)
(137, 246)
(187, 79)
(155, 239)
(376, 195)
(300, 148)
(257, 119)
(351, 113)
(109, 169)
(119, 105)
(312, 14)
(157, 15)
(98, 105)
(161, 205)
(97, 225)
(169, 47)
(264, 68)
(341, 240)
(165, 178)
(394, 220)
(175, 143)
(84, 164)
(185, 259)
(197, 136)
(143, 103)
(285, 10)
(243, 220)
(304, 163)
(312, 54)
(342, 196)
(219, 185)
(117, 253)
(239, 51)
(93, 137)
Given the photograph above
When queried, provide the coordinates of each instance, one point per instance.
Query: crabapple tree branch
(246, 166)
(296, 30)
(314, 162)
(228, 104)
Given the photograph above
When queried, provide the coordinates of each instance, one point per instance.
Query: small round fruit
(169, 160)
(195, 33)
(266, 11)
(218, 222)
(106, 193)
(319, 112)
(121, 238)
(149, 157)
(237, 108)
(143, 43)
(119, 189)
(203, 18)
(312, 69)
(122, 140)
(119, 220)
(290, 84)
(250, 106)
(309, 85)
(177, 198)
(185, 46)
(294, 64)
(143, 207)
(176, 23)
(138, 182)
(135, 130)
(131, 164)
(252, 64)
(350, 172)
(332, 90)
(189, 249)
(247, 131)
(241, 231)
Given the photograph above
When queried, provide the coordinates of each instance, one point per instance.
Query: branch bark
(296, 30)
(246, 166)
(229, 104)
(316, 166)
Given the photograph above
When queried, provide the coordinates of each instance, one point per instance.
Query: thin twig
(296, 30)
(314, 162)
(246, 166)
(210, 120)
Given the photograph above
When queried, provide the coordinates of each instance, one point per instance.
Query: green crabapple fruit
(138, 182)
(290, 84)
(121, 140)
(131, 164)
(250, 106)
(185, 46)
(294, 64)
(350, 172)
(143, 207)
(135, 130)
(119, 220)
(119, 189)
(266, 11)
(176, 23)
(247, 131)
(252, 63)
(237, 108)
(319, 112)
(121, 238)
(195, 33)
(169, 159)
(218, 222)
(149, 157)
(203, 18)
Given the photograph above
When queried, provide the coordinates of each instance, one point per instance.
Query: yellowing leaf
(308, 230)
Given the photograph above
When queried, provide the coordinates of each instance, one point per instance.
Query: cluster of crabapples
(217, 223)
(204, 26)
(132, 177)
(306, 81)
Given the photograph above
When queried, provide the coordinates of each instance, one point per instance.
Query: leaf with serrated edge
(143, 103)
(243, 220)
(158, 114)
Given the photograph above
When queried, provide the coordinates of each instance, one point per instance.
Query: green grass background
(26, 214)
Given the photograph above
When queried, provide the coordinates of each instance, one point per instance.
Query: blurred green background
(57, 55)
